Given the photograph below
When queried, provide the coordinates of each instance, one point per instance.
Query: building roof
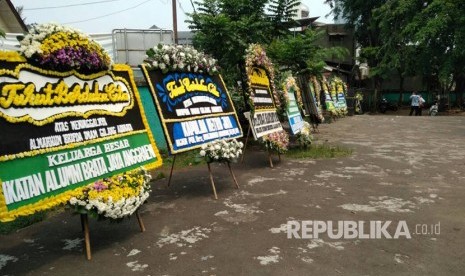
(306, 21)
(10, 20)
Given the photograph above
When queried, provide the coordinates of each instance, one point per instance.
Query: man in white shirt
(415, 104)
(420, 105)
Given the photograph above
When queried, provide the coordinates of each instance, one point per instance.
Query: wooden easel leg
(141, 223)
(245, 145)
(269, 157)
(171, 172)
(233, 176)
(212, 182)
(85, 222)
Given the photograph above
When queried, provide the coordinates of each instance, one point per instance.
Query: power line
(106, 15)
(67, 6)
(181, 7)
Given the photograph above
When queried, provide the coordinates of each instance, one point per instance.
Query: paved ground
(403, 169)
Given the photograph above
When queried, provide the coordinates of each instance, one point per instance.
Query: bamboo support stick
(171, 172)
(211, 180)
(141, 223)
(85, 221)
(233, 176)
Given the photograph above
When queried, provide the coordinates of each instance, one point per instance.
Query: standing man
(420, 105)
(415, 104)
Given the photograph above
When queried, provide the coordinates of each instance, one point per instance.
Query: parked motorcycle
(433, 110)
(384, 105)
(358, 103)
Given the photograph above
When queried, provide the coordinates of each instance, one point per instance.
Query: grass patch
(21, 222)
(184, 159)
(319, 151)
(160, 175)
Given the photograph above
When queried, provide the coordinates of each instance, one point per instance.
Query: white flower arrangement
(222, 151)
(179, 58)
(114, 198)
(305, 137)
(58, 47)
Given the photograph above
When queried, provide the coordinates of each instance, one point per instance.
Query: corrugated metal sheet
(10, 42)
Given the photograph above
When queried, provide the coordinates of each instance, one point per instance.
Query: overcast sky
(102, 16)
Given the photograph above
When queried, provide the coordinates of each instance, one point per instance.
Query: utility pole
(175, 22)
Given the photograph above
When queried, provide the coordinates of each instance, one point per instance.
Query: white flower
(162, 66)
(202, 153)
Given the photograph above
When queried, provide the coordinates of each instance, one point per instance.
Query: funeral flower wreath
(56, 47)
(115, 197)
(221, 151)
(305, 137)
(255, 56)
(277, 141)
(290, 85)
(179, 58)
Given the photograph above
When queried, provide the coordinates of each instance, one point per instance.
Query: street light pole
(175, 22)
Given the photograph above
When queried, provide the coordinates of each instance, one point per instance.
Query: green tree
(359, 15)
(282, 13)
(437, 30)
(224, 29)
(411, 37)
(301, 54)
(397, 52)
(303, 57)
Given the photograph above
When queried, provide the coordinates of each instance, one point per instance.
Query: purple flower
(99, 186)
(69, 58)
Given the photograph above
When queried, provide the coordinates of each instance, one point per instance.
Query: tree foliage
(358, 14)
(422, 37)
(300, 53)
(282, 13)
(225, 28)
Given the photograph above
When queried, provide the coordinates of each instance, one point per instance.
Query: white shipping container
(130, 45)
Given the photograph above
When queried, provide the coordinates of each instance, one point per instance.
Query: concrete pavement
(408, 169)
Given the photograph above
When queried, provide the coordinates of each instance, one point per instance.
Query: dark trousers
(416, 109)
